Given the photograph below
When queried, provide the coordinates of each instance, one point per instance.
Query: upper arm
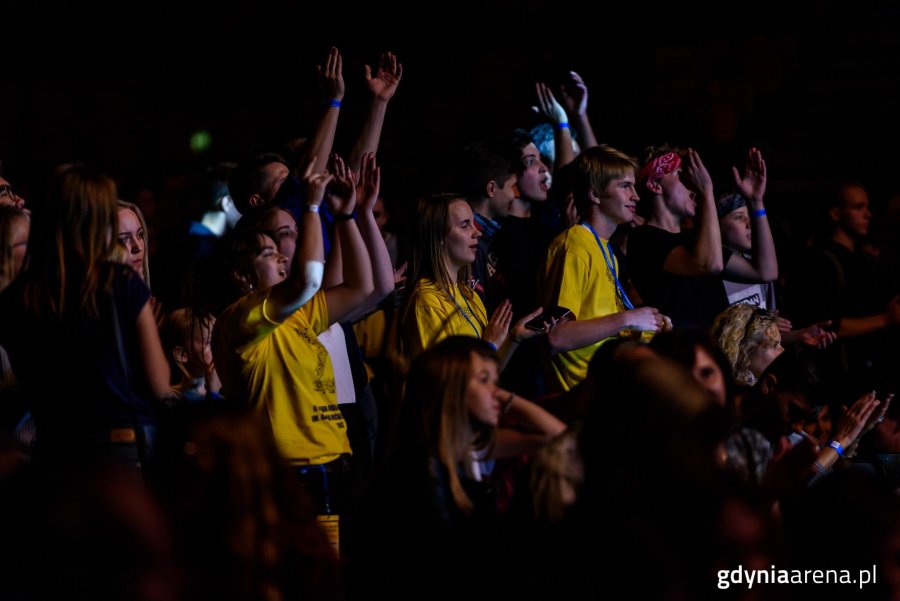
(681, 261)
(156, 368)
(342, 301)
(739, 269)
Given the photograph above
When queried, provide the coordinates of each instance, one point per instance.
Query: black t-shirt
(691, 302)
(71, 369)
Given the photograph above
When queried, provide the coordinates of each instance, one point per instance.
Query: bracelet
(344, 216)
(335, 104)
(562, 125)
(492, 345)
(837, 447)
(312, 208)
(759, 213)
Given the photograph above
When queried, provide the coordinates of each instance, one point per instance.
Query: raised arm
(382, 85)
(534, 428)
(574, 98)
(763, 266)
(367, 190)
(307, 264)
(331, 79)
(562, 136)
(705, 258)
(357, 285)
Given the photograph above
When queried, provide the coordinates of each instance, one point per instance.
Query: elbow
(313, 273)
(713, 266)
(770, 275)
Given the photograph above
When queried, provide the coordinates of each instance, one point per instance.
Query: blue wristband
(335, 104)
(759, 213)
(837, 447)
(492, 345)
(562, 125)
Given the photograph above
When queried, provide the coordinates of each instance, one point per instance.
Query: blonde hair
(145, 268)
(740, 331)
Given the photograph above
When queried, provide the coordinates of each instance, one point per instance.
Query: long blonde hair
(75, 227)
(435, 412)
(145, 268)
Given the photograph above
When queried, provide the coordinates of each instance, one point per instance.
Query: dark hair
(480, 163)
(250, 178)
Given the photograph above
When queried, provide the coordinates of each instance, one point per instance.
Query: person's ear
(490, 189)
(768, 383)
(256, 200)
(654, 186)
(179, 354)
(835, 214)
(243, 281)
(593, 197)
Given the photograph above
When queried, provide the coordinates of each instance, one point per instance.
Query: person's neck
(604, 227)
(664, 219)
(520, 208)
(844, 239)
(483, 208)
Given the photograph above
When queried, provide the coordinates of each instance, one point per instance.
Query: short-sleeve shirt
(577, 277)
(437, 316)
(691, 302)
(284, 372)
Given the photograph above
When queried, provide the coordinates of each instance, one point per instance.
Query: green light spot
(200, 141)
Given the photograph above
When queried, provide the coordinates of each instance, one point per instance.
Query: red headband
(660, 166)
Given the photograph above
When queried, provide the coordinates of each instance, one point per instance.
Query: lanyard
(610, 263)
(466, 314)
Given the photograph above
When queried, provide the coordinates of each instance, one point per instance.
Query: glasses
(7, 190)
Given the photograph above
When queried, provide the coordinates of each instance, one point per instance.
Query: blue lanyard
(464, 314)
(610, 263)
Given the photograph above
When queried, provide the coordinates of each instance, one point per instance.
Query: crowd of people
(572, 354)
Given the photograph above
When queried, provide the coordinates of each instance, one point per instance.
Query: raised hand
(753, 184)
(342, 191)
(548, 106)
(316, 183)
(384, 83)
(369, 183)
(574, 95)
(694, 173)
(331, 76)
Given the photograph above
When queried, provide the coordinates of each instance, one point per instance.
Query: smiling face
(269, 265)
(619, 203)
(283, 230)
(461, 243)
(482, 393)
(131, 235)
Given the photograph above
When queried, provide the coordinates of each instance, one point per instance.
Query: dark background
(813, 84)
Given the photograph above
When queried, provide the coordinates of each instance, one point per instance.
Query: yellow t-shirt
(284, 372)
(577, 277)
(437, 317)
